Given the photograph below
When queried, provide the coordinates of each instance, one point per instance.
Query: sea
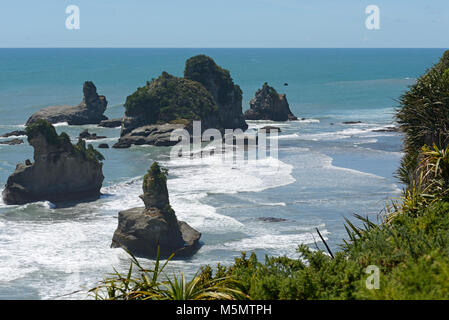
(324, 170)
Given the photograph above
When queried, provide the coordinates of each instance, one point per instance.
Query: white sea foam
(61, 124)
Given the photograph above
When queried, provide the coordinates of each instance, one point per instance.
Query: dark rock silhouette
(269, 105)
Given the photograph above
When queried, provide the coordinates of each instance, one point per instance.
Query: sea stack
(61, 171)
(141, 230)
(269, 105)
(206, 93)
(89, 111)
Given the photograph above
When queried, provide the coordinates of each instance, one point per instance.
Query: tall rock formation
(61, 171)
(269, 105)
(218, 81)
(141, 230)
(89, 111)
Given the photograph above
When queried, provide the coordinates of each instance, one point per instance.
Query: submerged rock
(269, 105)
(12, 142)
(352, 122)
(141, 230)
(271, 219)
(61, 171)
(89, 111)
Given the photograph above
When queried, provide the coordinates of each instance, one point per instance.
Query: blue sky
(224, 23)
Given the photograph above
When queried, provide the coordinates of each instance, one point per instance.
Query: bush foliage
(170, 98)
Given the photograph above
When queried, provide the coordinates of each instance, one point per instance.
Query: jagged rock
(111, 123)
(89, 111)
(206, 93)
(16, 133)
(158, 135)
(90, 136)
(218, 81)
(12, 142)
(269, 105)
(60, 172)
(141, 230)
(103, 146)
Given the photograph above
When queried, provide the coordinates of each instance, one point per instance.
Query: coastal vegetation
(409, 247)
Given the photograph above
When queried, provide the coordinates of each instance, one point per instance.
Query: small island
(89, 111)
(269, 105)
(206, 93)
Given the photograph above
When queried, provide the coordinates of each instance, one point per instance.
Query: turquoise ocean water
(325, 170)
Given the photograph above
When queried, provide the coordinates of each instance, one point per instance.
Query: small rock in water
(271, 219)
(103, 146)
(90, 136)
(271, 128)
(111, 123)
(15, 133)
(12, 142)
(352, 122)
(285, 84)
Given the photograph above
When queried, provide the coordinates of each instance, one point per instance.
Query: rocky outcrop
(61, 171)
(218, 81)
(206, 93)
(158, 135)
(141, 230)
(89, 111)
(111, 123)
(16, 133)
(12, 142)
(269, 105)
(86, 135)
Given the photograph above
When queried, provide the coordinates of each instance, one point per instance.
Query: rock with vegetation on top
(61, 171)
(141, 230)
(206, 93)
(89, 111)
(269, 105)
(218, 81)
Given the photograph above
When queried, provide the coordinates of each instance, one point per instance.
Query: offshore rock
(89, 111)
(142, 230)
(269, 105)
(61, 171)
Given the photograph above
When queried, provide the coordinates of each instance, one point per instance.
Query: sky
(225, 23)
